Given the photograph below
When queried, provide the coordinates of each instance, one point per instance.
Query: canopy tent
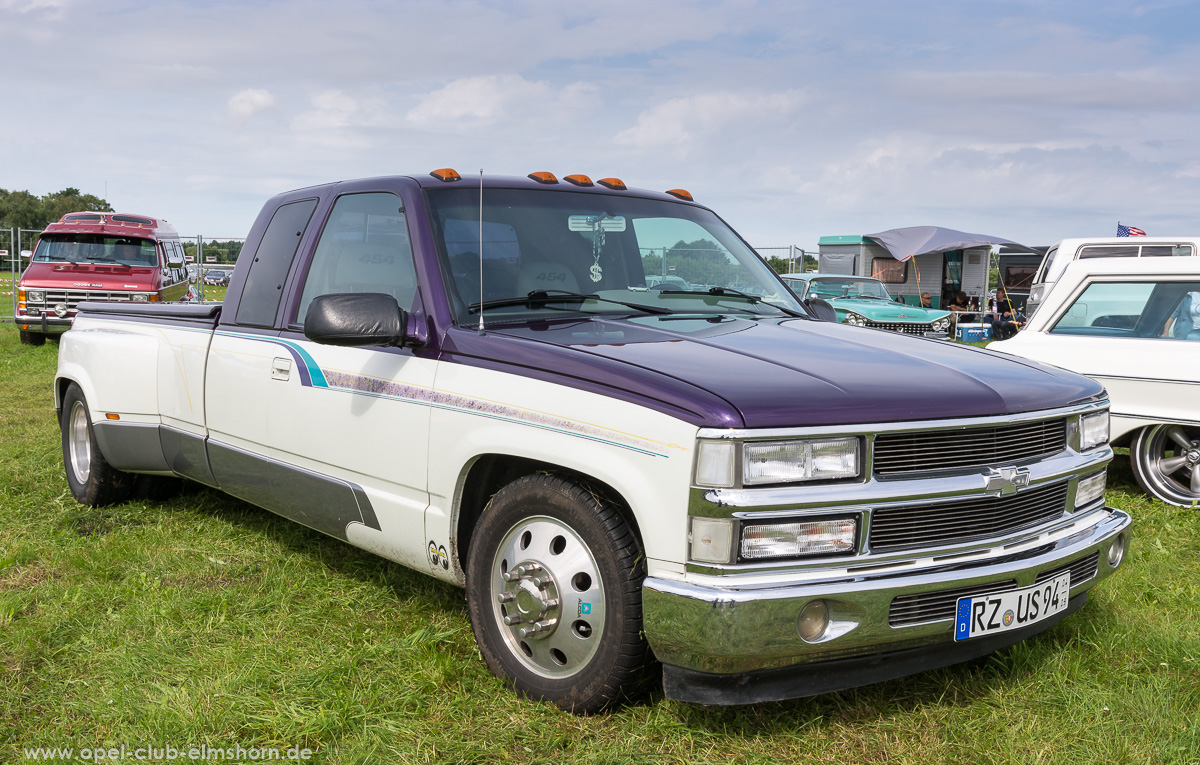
(904, 243)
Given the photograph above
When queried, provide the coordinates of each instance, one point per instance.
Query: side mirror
(355, 320)
(174, 259)
(822, 310)
(27, 254)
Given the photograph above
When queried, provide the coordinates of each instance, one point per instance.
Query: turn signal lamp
(613, 183)
(446, 174)
(543, 177)
(683, 194)
(579, 180)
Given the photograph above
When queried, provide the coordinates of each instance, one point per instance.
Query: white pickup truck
(498, 382)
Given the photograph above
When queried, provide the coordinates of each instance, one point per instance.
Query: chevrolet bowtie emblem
(1006, 481)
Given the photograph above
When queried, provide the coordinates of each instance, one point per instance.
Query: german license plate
(998, 612)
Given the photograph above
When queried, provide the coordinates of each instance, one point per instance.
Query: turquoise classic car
(865, 302)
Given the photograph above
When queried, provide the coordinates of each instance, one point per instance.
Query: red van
(97, 256)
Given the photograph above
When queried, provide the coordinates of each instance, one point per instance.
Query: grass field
(203, 621)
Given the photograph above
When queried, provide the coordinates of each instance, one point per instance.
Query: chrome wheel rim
(1171, 457)
(79, 443)
(547, 597)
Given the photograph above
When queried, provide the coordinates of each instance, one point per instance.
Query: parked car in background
(1131, 324)
(97, 256)
(865, 302)
(216, 277)
(1068, 250)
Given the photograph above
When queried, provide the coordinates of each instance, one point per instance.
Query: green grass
(206, 621)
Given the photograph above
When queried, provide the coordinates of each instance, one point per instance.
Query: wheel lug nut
(513, 619)
(505, 597)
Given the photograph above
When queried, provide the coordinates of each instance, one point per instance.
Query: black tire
(32, 338)
(574, 571)
(1166, 463)
(92, 480)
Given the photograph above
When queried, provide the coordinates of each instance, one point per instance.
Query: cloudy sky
(1026, 120)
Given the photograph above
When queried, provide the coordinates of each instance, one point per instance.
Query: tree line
(20, 209)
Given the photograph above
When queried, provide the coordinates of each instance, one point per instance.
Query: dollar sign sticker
(596, 272)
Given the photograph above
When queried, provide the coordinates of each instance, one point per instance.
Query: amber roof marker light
(578, 180)
(543, 177)
(446, 175)
(613, 183)
(683, 194)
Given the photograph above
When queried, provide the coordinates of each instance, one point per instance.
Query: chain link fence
(798, 259)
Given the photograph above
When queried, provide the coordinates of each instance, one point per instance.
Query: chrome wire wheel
(548, 597)
(1166, 462)
(79, 442)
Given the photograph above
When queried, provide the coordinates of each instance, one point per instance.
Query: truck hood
(722, 371)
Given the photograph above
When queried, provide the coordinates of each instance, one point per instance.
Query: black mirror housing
(356, 319)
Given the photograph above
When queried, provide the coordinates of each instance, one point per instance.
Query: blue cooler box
(973, 333)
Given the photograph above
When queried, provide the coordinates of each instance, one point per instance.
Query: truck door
(347, 428)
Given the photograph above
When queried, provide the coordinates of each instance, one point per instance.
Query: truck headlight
(1093, 430)
(35, 296)
(824, 459)
(140, 297)
(1090, 488)
(798, 539)
(721, 540)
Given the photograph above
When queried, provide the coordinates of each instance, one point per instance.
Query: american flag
(1123, 230)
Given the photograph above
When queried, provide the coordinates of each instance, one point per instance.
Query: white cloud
(246, 103)
(682, 121)
(479, 99)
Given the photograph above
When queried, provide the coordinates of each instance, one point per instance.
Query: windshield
(848, 288)
(633, 255)
(95, 248)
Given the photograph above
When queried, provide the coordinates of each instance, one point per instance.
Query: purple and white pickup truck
(600, 412)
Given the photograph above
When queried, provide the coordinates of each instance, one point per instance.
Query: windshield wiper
(731, 292)
(539, 298)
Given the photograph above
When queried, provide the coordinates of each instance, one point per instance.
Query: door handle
(281, 369)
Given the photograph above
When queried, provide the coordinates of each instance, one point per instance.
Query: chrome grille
(896, 528)
(74, 297)
(1081, 570)
(908, 328)
(937, 606)
(915, 452)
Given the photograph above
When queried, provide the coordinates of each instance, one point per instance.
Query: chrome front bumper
(708, 628)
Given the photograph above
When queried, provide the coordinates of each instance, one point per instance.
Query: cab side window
(363, 248)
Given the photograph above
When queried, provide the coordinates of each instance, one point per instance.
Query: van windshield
(95, 248)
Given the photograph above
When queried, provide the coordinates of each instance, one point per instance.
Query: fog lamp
(814, 620)
(60, 310)
(798, 539)
(1117, 552)
(1090, 489)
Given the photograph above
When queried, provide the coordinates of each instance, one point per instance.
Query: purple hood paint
(732, 372)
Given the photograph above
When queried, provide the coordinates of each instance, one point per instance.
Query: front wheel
(554, 587)
(1166, 463)
(92, 480)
